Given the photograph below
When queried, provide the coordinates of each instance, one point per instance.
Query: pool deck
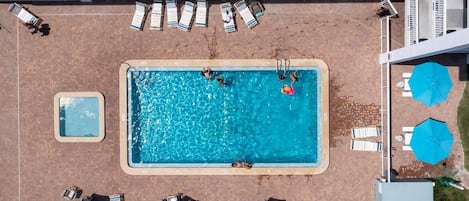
(85, 49)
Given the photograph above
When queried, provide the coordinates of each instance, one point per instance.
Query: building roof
(414, 190)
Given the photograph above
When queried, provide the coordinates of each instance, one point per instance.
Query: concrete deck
(83, 53)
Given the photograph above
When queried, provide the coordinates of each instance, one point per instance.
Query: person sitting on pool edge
(238, 164)
(287, 90)
(207, 73)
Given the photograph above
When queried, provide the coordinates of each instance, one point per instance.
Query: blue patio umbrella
(431, 141)
(430, 83)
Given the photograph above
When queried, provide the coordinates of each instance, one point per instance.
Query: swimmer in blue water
(207, 73)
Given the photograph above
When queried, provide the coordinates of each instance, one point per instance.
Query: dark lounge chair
(71, 193)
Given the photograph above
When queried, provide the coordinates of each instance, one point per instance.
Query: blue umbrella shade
(430, 83)
(431, 141)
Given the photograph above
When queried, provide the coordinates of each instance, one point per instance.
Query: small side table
(399, 138)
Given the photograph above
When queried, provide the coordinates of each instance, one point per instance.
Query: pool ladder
(283, 63)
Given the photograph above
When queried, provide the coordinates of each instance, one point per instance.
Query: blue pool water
(178, 118)
(79, 116)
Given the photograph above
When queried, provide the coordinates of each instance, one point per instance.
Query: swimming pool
(177, 119)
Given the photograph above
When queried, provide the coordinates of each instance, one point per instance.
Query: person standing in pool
(219, 79)
(207, 73)
(293, 78)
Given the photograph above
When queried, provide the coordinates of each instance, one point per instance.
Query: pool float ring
(287, 90)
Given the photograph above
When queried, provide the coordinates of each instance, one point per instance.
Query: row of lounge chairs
(363, 145)
(185, 22)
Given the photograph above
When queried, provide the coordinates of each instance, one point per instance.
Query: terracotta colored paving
(83, 53)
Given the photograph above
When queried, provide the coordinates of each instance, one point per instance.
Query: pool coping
(101, 115)
(323, 164)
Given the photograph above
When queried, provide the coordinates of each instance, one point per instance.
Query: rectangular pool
(178, 119)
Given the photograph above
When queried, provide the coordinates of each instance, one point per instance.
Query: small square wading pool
(175, 121)
(79, 117)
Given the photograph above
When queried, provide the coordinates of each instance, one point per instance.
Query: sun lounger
(406, 75)
(406, 148)
(186, 17)
(156, 15)
(365, 132)
(358, 145)
(407, 138)
(406, 94)
(201, 14)
(24, 15)
(227, 16)
(246, 14)
(406, 85)
(172, 11)
(139, 16)
(408, 129)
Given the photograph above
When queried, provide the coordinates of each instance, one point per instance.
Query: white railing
(385, 102)
(439, 21)
(412, 19)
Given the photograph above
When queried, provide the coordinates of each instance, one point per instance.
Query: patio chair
(139, 16)
(406, 85)
(71, 193)
(246, 14)
(408, 129)
(227, 16)
(186, 17)
(97, 197)
(201, 14)
(406, 75)
(172, 11)
(26, 16)
(407, 138)
(358, 145)
(156, 15)
(406, 94)
(362, 132)
(256, 8)
(406, 148)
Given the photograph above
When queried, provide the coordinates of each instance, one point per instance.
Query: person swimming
(207, 73)
(219, 80)
(293, 78)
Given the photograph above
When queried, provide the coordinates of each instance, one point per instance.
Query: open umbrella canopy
(430, 83)
(431, 141)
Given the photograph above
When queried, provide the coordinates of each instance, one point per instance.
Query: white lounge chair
(407, 138)
(358, 145)
(406, 85)
(406, 75)
(406, 148)
(365, 132)
(139, 16)
(201, 14)
(246, 14)
(408, 129)
(24, 15)
(172, 11)
(406, 94)
(186, 17)
(156, 15)
(227, 16)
